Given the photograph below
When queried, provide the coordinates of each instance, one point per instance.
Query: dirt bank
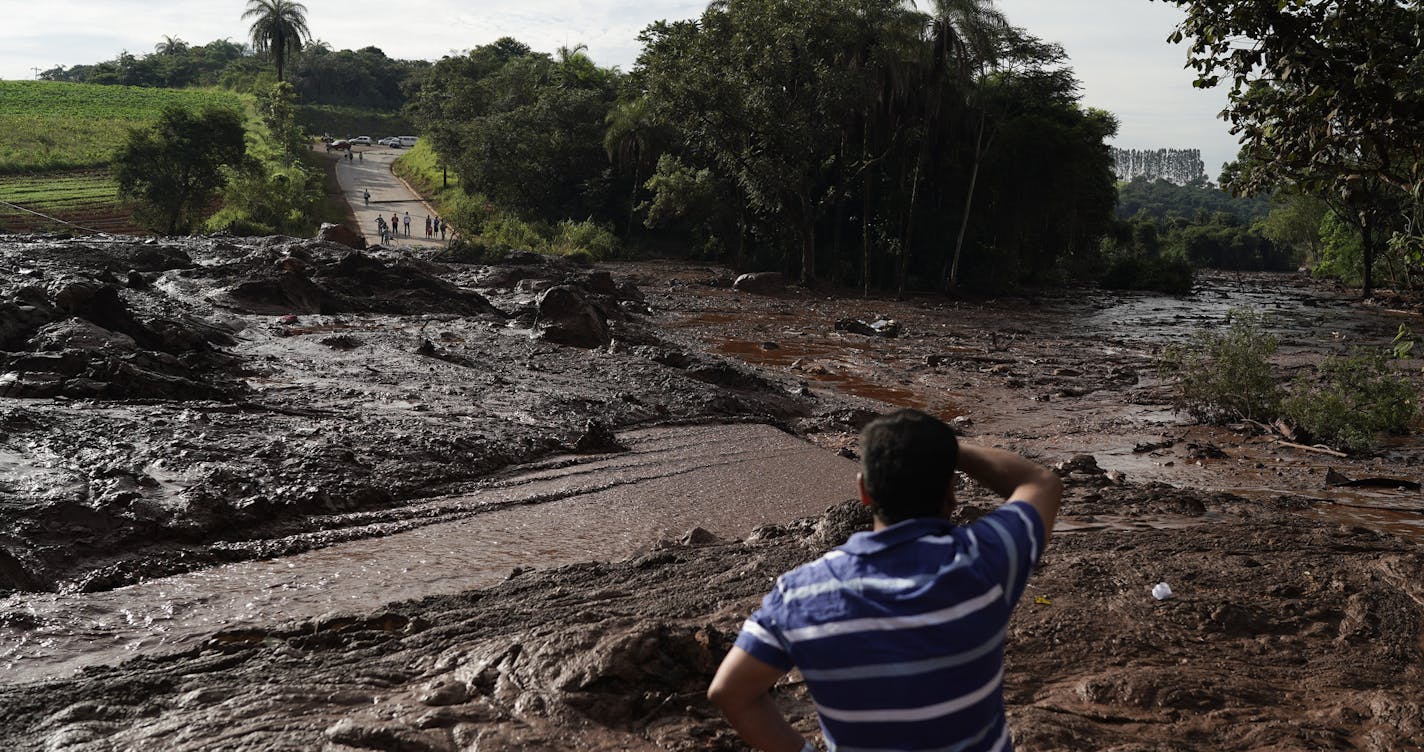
(170, 405)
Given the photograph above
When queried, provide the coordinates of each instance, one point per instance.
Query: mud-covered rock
(760, 282)
(880, 327)
(333, 233)
(568, 318)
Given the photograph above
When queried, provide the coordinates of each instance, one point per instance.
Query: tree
(1327, 98)
(173, 167)
(280, 27)
(171, 46)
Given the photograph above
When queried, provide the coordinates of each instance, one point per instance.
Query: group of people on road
(391, 230)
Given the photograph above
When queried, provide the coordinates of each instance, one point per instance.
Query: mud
(293, 395)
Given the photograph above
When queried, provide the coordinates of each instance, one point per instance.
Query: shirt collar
(870, 542)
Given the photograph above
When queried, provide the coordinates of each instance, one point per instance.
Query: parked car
(361, 141)
(339, 144)
(390, 141)
(408, 141)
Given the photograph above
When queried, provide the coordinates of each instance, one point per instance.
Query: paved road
(371, 170)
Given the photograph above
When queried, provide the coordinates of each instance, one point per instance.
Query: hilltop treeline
(858, 141)
(363, 78)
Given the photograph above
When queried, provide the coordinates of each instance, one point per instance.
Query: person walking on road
(367, 196)
(407, 224)
(441, 223)
(428, 227)
(395, 224)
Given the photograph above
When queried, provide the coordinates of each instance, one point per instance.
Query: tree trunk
(968, 204)
(908, 235)
(1367, 246)
(808, 243)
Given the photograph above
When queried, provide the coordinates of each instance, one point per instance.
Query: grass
(54, 126)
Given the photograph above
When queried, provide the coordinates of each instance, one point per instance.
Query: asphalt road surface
(370, 170)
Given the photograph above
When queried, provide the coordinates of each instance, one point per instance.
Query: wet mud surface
(173, 406)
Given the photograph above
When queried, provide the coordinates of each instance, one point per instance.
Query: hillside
(51, 125)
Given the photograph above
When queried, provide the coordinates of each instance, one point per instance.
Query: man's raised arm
(1014, 478)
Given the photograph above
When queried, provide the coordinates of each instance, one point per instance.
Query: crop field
(86, 198)
(51, 125)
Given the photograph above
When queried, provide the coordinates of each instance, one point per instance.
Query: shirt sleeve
(1013, 535)
(760, 636)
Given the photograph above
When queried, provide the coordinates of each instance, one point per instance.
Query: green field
(86, 198)
(49, 125)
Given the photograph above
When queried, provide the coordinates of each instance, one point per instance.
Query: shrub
(1346, 402)
(584, 238)
(1226, 375)
(1351, 400)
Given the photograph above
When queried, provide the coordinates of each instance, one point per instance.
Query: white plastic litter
(1161, 591)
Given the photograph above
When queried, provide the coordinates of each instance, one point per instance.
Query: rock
(596, 439)
(1080, 463)
(880, 327)
(601, 282)
(79, 334)
(342, 234)
(566, 317)
(760, 283)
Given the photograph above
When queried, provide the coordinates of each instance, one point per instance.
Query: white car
(361, 140)
(390, 141)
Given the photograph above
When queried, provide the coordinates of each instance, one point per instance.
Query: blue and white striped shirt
(900, 633)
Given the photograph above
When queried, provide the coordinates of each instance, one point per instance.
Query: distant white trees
(1180, 166)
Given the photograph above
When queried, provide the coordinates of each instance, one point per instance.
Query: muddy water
(725, 479)
(1090, 332)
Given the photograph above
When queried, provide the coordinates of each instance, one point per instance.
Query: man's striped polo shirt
(900, 633)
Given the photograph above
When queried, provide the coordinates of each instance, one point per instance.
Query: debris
(1162, 591)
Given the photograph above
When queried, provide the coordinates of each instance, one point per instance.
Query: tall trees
(173, 167)
(522, 128)
(1328, 99)
(278, 27)
(836, 118)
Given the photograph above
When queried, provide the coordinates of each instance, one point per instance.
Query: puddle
(569, 509)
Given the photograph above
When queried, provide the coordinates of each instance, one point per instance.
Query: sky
(1117, 48)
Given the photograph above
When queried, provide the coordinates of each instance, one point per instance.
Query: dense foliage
(1328, 100)
(857, 140)
(365, 80)
(173, 167)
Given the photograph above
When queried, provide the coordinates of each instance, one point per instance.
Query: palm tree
(280, 26)
(965, 34)
(171, 46)
(629, 140)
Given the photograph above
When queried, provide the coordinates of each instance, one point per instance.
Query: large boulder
(760, 282)
(340, 234)
(568, 318)
(79, 334)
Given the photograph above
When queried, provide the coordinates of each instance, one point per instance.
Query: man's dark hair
(907, 462)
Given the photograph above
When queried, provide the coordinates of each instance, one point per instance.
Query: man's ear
(864, 494)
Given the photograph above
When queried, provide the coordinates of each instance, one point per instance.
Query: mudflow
(281, 494)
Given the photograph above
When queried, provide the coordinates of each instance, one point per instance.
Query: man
(899, 633)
